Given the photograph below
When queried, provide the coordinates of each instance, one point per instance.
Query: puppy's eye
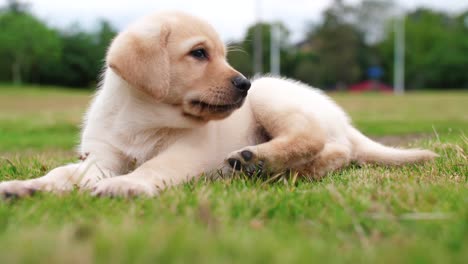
(200, 54)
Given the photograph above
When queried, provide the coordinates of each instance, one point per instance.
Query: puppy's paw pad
(241, 159)
(247, 155)
(235, 163)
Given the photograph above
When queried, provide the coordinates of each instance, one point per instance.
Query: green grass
(411, 214)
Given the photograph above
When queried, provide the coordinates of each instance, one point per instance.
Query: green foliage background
(334, 53)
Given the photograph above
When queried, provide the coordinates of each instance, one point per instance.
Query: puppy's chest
(144, 145)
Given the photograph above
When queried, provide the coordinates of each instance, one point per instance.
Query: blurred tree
(82, 57)
(436, 48)
(303, 65)
(371, 17)
(241, 54)
(25, 43)
(15, 6)
(337, 45)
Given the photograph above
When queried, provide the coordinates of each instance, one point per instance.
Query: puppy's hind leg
(296, 139)
(333, 157)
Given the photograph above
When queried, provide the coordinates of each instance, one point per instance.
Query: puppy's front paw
(122, 186)
(242, 159)
(16, 189)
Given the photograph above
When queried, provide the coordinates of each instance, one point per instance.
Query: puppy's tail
(369, 151)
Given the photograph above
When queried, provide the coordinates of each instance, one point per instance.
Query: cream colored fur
(143, 133)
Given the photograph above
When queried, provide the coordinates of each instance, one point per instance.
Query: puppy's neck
(140, 110)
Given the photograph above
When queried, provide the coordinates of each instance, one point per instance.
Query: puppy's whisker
(236, 48)
(217, 100)
(202, 98)
(239, 50)
(210, 105)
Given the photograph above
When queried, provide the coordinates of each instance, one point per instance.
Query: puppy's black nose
(241, 83)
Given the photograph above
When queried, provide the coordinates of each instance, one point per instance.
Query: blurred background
(51, 56)
(363, 45)
(52, 51)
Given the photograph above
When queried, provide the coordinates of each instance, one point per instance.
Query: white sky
(231, 18)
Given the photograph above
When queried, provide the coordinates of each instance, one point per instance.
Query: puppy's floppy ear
(142, 61)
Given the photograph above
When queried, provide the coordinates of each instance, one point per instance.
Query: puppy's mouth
(216, 108)
(203, 111)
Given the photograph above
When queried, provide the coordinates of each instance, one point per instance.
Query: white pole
(275, 49)
(399, 50)
(258, 52)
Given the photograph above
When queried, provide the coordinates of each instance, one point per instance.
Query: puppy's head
(180, 60)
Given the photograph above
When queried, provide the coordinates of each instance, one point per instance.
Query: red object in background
(370, 86)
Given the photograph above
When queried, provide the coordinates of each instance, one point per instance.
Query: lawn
(410, 214)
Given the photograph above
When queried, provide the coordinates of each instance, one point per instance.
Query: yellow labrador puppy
(171, 107)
